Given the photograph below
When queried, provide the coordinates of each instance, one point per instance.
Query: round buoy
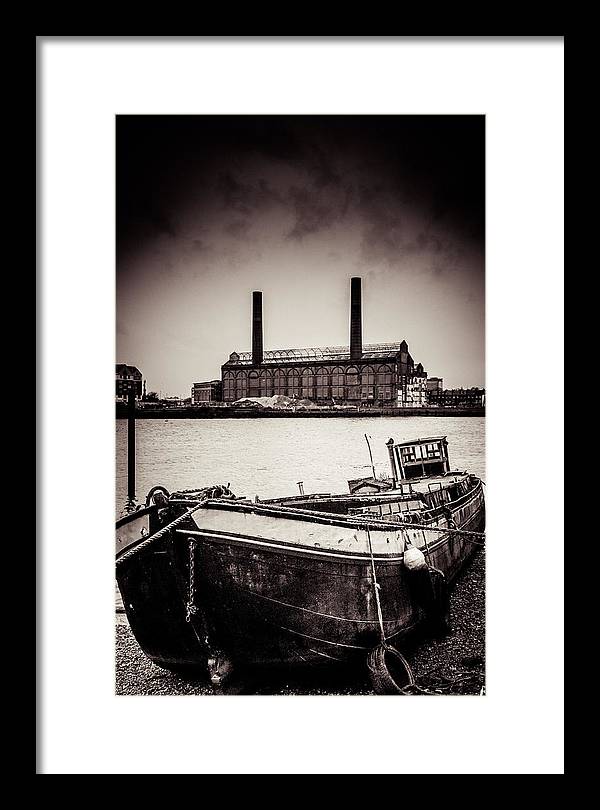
(414, 559)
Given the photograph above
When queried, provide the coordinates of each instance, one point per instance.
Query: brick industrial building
(381, 373)
(210, 391)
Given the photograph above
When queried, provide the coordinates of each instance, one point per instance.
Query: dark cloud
(313, 212)
(244, 197)
(440, 156)
(199, 246)
(211, 207)
(238, 228)
(410, 185)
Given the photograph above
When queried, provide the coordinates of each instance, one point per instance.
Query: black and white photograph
(300, 402)
(300, 505)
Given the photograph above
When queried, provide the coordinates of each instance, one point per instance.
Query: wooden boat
(208, 579)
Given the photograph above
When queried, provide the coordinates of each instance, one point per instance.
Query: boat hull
(269, 602)
(281, 605)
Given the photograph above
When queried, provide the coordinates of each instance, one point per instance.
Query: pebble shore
(452, 665)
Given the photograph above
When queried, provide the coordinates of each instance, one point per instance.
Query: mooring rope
(159, 534)
(445, 530)
(376, 588)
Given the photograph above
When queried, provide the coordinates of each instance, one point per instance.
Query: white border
(517, 727)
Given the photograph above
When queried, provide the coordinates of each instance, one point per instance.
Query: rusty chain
(190, 608)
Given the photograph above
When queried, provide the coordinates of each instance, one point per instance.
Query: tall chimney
(257, 328)
(355, 319)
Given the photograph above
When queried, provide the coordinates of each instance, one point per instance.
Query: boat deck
(270, 523)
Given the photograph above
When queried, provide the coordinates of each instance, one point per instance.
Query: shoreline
(227, 412)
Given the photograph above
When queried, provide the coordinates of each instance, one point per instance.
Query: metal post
(370, 455)
(131, 445)
(390, 447)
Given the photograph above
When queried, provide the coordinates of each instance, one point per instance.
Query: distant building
(128, 378)
(173, 402)
(356, 374)
(412, 391)
(203, 392)
(458, 398)
(435, 384)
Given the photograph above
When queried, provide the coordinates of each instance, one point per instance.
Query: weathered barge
(209, 580)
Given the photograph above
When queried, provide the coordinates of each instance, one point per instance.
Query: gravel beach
(451, 665)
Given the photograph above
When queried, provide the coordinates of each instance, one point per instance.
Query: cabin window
(408, 454)
(433, 451)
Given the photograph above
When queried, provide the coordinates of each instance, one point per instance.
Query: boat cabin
(369, 485)
(419, 458)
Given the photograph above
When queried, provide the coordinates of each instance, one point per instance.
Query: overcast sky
(211, 208)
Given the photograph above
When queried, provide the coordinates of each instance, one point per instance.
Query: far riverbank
(229, 412)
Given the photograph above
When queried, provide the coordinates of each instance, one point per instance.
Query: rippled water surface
(267, 457)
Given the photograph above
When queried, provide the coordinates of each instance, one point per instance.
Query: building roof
(371, 351)
(122, 369)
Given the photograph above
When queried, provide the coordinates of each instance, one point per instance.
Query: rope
(376, 588)
(440, 683)
(445, 530)
(158, 536)
(463, 532)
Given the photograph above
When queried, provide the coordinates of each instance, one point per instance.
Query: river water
(267, 457)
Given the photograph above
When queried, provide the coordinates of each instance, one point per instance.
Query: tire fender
(389, 671)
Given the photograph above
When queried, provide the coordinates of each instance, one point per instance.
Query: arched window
(384, 380)
(337, 383)
(228, 386)
(367, 390)
(352, 383)
(241, 385)
(384, 375)
(279, 381)
(265, 383)
(294, 383)
(368, 375)
(253, 384)
(322, 383)
(307, 383)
